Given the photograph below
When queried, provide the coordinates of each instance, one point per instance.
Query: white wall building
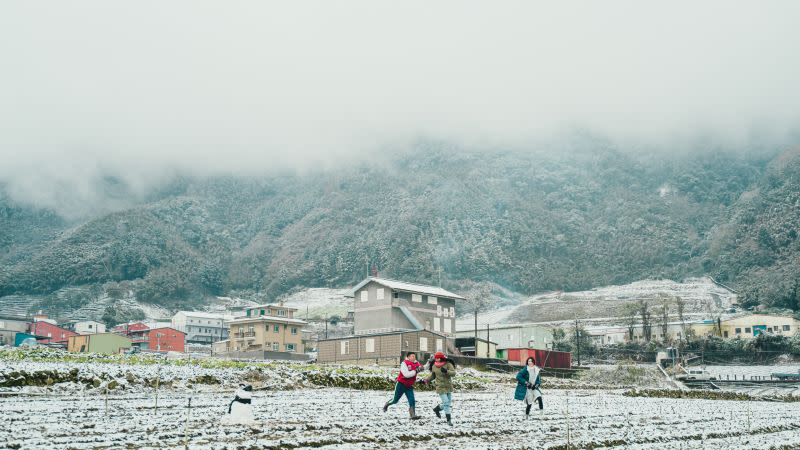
(88, 327)
(202, 327)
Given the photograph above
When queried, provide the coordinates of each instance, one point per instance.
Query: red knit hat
(438, 355)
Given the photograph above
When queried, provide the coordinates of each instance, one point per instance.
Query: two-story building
(391, 317)
(383, 305)
(265, 328)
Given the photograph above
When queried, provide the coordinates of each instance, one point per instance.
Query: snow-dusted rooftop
(408, 287)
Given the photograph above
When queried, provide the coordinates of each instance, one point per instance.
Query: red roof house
(50, 334)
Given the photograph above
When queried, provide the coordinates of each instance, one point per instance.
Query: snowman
(240, 409)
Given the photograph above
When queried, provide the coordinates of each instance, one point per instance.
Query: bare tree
(477, 297)
(631, 318)
(680, 304)
(664, 317)
(647, 325)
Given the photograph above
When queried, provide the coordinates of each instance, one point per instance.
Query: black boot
(449, 422)
(528, 410)
(386, 406)
(412, 414)
(438, 411)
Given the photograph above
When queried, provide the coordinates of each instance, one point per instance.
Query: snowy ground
(348, 419)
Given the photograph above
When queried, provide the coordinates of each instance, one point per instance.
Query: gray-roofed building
(385, 305)
(10, 326)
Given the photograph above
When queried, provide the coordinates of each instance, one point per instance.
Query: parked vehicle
(695, 375)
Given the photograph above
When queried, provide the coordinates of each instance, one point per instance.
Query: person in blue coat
(529, 386)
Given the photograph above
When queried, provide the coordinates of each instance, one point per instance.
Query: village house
(10, 326)
(382, 305)
(48, 333)
(85, 326)
(137, 332)
(265, 328)
(751, 325)
(166, 339)
(512, 336)
(485, 349)
(392, 317)
(202, 327)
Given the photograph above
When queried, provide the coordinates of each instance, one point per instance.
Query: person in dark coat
(529, 386)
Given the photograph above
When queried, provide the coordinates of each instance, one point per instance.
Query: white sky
(89, 87)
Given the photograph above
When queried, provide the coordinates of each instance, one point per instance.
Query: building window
(276, 328)
(379, 293)
(281, 312)
(423, 344)
(370, 345)
(262, 312)
(738, 331)
(276, 347)
(289, 347)
(90, 326)
(786, 328)
(439, 345)
(248, 313)
(364, 296)
(432, 300)
(294, 330)
(436, 324)
(747, 330)
(396, 295)
(416, 298)
(345, 347)
(724, 334)
(448, 325)
(438, 310)
(452, 311)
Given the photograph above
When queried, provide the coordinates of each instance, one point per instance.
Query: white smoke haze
(143, 89)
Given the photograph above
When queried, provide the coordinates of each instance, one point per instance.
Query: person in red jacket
(409, 368)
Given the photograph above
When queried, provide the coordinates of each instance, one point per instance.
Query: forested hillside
(529, 221)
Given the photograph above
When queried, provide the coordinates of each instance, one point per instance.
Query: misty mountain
(528, 221)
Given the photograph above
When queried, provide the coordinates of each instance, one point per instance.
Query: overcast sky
(88, 87)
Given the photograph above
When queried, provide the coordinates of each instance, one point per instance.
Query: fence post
(158, 383)
(186, 427)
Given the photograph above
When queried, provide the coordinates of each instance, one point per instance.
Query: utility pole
(326, 327)
(577, 342)
(487, 343)
(476, 331)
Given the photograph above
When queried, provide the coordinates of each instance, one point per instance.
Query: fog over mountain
(140, 91)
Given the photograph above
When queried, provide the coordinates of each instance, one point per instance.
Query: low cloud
(143, 89)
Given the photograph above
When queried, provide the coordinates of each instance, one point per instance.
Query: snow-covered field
(349, 419)
(294, 410)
